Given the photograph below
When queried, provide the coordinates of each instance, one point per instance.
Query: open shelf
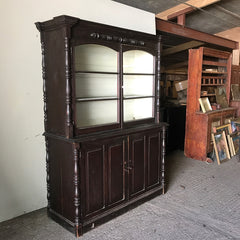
(214, 72)
(96, 72)
(213, 63)
(212, 84)
(139, 74)
(212, 81)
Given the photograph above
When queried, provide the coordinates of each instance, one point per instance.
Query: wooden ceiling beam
(181, 12)
(181, 47)
(181, 7)
(177, 65)
(173, 28)
(181, 19)
(181, 15)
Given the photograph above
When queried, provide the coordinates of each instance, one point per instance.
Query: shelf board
(213, 77)
(209, 95)
(215, 111)
(96, 72)
(212, 84)
(136, 97)
(90, 99)
(140, 74)
(215, 72)
(213, 63)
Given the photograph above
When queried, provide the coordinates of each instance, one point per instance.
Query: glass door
(96, 84)
(138, 85)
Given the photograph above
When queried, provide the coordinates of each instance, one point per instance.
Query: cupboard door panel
(235, 76)
(116, 181)
(153, 159)
(137, 164)
(94, 177)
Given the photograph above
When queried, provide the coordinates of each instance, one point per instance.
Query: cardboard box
(181, 85)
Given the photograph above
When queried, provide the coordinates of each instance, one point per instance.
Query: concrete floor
(202, 202)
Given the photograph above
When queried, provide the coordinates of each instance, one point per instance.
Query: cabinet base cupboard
(89, 179)
(105, 145)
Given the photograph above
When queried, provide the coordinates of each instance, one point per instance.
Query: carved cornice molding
(117, 39)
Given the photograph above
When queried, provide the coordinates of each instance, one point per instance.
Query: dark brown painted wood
(116, 173)
(94, 172)
(94, 178)
(61, 178)
(137, 164)
(153, 159)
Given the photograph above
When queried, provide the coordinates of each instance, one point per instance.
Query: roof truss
(185, 7)
(182, 31)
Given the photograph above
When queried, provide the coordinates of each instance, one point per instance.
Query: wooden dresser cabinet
(105, 145)
(208, 69)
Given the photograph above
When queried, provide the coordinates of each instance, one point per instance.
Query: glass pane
(135, 109)
(96, 113)
(137, 61)
(93, 57)
(137, 85)
(96, 85)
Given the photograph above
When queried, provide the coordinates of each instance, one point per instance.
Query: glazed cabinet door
(138, 85)
(96, 87)
(102, 175)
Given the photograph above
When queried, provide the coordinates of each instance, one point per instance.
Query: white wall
(22, 146)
